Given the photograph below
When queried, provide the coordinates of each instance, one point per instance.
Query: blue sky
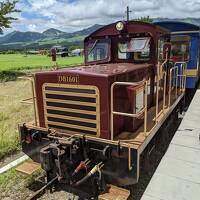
(72, 15)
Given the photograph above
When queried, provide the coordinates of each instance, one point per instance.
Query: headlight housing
(120, 26)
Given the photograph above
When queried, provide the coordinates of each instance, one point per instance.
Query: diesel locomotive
(93, 122)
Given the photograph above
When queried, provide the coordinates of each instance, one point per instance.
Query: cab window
(137, 49)
(121, 53)
(98, 50)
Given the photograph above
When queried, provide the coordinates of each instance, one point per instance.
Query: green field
(14, 65)
(21, 62)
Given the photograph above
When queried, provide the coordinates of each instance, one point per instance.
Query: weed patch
(13, 112)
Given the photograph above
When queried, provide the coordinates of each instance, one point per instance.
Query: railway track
(42, 190)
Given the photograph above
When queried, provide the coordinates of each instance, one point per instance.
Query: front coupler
(76, 160)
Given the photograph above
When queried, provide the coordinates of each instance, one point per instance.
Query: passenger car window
(180, 48)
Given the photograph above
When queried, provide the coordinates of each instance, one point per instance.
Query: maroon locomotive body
(106, 111)
(101, 77)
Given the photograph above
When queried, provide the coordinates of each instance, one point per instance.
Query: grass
(13, 65)
(21, 62)
(13, 112)
(9, 178)
(16, 185)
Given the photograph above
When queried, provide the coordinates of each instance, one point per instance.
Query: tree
(7, 7)
(145, 19)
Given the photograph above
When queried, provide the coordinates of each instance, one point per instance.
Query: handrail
(178, 73)
(160, 74)
(175, 68)
(173, 77)
(182, 75)
(133, 115)
(157, 93)
(146, 107)
(33, 96)
(130, 114)
(164, 91)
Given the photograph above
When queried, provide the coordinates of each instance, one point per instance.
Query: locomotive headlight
(120, 26)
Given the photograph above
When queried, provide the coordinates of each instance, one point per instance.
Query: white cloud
(40, 4)
(32, 27)
(68, 15)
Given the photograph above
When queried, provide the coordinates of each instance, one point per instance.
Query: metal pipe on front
(34, 101)
(33, 97)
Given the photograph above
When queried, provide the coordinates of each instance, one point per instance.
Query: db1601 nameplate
(68, 79)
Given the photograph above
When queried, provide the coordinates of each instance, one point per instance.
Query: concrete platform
(178, 174)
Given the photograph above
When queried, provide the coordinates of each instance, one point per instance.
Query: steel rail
(38, 192)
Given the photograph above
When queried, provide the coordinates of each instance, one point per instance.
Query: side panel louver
(72, 108)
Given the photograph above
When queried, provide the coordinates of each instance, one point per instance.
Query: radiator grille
(72, 108)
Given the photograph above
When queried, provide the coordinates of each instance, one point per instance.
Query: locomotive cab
(102, 115)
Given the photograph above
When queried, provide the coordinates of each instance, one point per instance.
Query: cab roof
(131, 27)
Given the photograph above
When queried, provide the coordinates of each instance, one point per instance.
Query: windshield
(97, 50)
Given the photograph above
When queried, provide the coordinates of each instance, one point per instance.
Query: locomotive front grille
(72, 108)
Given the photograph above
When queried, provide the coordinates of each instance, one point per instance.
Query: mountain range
(34, 40)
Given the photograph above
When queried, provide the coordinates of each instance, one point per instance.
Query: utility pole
(128, 11)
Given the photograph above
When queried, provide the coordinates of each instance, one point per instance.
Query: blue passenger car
(185, 39)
